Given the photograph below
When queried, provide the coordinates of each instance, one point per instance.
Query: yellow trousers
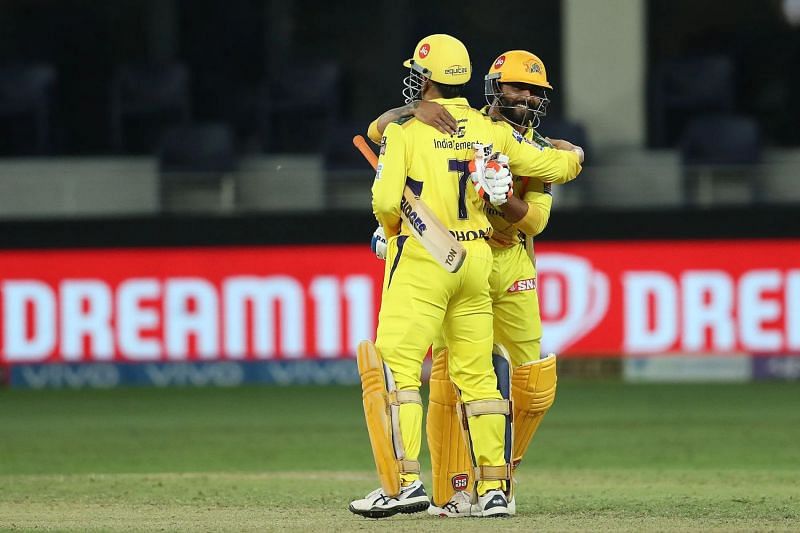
(420, 299)
(517, 324)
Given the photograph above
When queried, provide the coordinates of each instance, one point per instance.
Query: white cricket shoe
(460, 505)
(491, 504)
(376, 504)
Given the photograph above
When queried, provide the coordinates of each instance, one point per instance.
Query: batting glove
(378, 243)
(493, 182)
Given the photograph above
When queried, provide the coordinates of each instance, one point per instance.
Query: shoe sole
(385, 513)
(415, 508)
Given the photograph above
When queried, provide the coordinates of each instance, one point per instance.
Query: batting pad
(450, 457)
(533, 390)
(381, 407)
(502, 368)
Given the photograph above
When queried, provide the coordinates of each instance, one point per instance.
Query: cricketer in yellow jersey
(420, 299)
(515, 88)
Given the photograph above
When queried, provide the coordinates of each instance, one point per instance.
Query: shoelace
(451, 507)
(383, 499)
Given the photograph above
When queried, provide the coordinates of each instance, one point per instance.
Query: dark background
(240, 53)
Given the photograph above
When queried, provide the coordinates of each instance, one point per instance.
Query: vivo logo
(195, 375)
(100, 376)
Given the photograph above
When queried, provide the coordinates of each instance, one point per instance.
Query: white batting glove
(493, 182)
(378, 243)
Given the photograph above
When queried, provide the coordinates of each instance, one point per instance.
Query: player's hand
(493, 182)
(561, 144)
(500, 181)
(378, 243)
(435, 114)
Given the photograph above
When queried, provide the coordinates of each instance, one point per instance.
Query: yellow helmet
(439, 57)
(518, 66)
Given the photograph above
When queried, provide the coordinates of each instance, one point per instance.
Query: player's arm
(531, 213)
(390, 179)
(539, 201)
(514, 209)
(561, 144)
(549, 165)
(430, 113)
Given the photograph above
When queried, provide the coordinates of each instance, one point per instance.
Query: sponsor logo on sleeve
(534, 143)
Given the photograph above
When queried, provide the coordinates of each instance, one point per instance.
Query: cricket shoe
(376, 504)
(492, 504)
(460, 505)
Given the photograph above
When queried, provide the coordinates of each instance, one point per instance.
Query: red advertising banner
(645, 297)
(187, 304)
(318, 302)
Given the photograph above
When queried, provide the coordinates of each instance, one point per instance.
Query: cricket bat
(424, 225)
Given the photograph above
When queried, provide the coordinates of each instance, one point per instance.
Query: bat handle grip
(361, 143)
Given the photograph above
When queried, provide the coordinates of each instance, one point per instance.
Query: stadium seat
(683, 89)
(297, 101)
(145, 100)
(196, 163)
(720, 147)
(574, 132)
(26, 104)
(347, 173)
(338, 150)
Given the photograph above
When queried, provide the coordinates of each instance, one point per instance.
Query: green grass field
(609, 456)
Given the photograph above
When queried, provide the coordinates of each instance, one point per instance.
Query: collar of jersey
(451, 101)
(528, 133)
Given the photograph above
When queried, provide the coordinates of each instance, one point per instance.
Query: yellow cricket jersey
(435, 166)
(533, 192)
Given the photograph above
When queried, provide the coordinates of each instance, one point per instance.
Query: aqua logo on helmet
(455, 70)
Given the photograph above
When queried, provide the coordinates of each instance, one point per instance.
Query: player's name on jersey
(449, 144)
(471, 235)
